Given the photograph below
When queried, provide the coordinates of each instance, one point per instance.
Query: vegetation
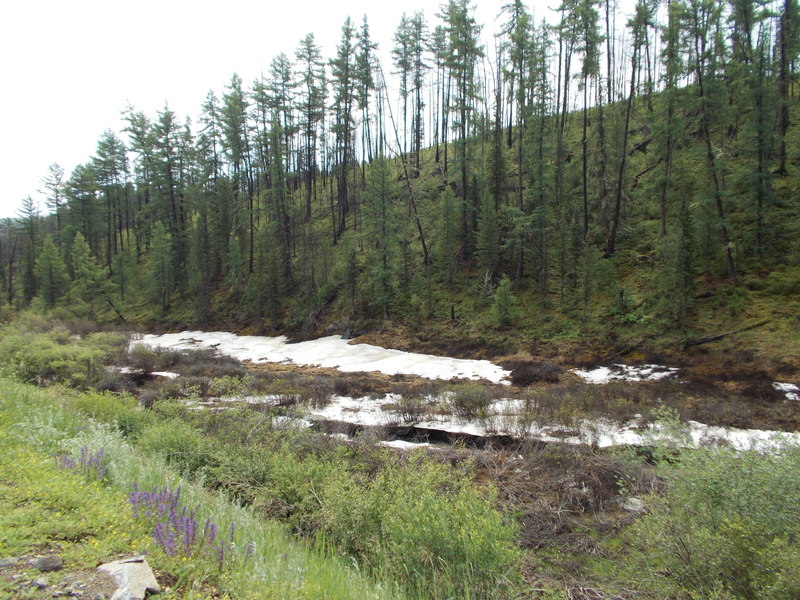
(662, 208)
(99, 474)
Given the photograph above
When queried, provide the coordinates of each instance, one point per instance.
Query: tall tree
(110, 167)
(311, 105)
(51, 273)
(54, 188)
(343, 68)
(463, 52)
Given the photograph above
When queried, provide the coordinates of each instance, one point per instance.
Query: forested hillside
(615, 181)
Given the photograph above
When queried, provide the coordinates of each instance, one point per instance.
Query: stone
(50, 562)
(133, 576)
(633, 505)
(41, 583)
(8, 562)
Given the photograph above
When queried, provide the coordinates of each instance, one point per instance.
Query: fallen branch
(713, 338)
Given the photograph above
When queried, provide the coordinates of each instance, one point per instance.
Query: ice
(333, 352)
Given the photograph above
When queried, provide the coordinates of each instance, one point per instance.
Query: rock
(133, 576)
(41, 583)
(633, 505)
(50, 562)
(8, 562)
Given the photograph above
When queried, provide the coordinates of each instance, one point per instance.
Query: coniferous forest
(604, 176)
(601, 189)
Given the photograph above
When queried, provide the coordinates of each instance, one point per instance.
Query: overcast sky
(70, 67)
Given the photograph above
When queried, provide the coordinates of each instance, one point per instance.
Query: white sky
(70, 67)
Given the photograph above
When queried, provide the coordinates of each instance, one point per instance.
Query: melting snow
(790, 390)
(602, 433)
(332, 351)
(626, 373)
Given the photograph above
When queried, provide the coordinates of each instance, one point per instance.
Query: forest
(595, 190)
(600, 173)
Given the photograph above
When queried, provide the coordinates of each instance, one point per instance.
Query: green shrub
(180, 444)
(425, 525)
(56, 356)
(112, 408)
(470, 400)
(727, 524)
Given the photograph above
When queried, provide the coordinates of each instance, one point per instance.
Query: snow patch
(790, 390)
(332, 352)
(626, 373)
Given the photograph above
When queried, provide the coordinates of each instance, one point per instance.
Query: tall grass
(279, 566)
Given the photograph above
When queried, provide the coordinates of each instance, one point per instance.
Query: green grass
(93, 522)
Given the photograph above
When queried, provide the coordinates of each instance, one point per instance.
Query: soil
(19, 580)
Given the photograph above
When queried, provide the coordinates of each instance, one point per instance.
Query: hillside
(588, 202)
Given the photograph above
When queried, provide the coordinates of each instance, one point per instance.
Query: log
(706, 339)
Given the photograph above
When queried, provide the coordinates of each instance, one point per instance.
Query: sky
(70, 67)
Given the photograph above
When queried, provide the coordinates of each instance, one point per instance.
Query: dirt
(22, 580)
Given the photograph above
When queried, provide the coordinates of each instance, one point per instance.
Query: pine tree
(343, 69)
(463, 52)
(54, 188)
(380, 222)
(51, 273)
(505, 304)
(90, 282)
(312, 111)
(30, 226)
(160, 265)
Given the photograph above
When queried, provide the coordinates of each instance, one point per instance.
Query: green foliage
(178, 443)
(120, 410)
(161, 275)
(360, 500)
(725, 526)
(90, 284)
(46, 506)
(505, 306)
(56, 356)
(51, 273)
(470, 400)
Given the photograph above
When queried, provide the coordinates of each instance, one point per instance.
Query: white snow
(790, 390)
(332, 351)
(404, 445)
(626, 373)
(366, 411)
(598, 432)
(167, 374)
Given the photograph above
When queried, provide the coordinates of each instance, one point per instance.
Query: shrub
(727, 523)
(112, 408)
(55, 356)
(425, 525)
(180, 444)
(470, 400)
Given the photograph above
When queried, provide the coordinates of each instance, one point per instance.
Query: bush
(55, 356)
(470, 400)
(725, 527)
(425, 525)
(180, 444)
(111, 408)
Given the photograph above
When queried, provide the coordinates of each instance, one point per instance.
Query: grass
(92, 521)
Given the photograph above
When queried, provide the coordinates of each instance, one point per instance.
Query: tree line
(571, 154)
